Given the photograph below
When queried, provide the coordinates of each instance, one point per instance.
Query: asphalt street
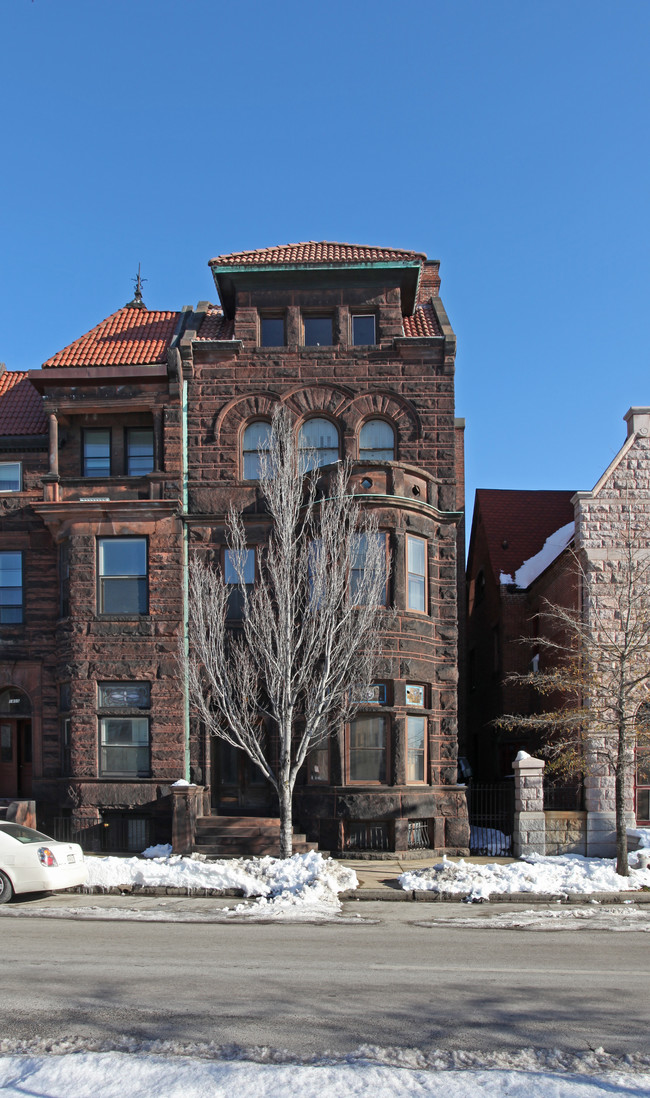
(391, 974)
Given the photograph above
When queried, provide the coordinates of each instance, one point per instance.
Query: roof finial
(137, 302)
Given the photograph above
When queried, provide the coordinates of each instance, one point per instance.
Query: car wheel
(6, 890)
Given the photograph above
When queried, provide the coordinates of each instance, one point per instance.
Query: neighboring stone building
(152, 423)
(522, 555)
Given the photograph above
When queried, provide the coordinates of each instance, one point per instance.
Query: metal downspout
(186, 696)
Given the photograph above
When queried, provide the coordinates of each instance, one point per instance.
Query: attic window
(10, 476)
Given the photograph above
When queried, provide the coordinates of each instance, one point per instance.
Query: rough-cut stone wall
(612, 523)
(410, 383)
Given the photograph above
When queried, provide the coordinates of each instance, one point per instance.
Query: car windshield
(23, 834)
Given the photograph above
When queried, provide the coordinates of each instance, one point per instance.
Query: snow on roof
(534, 566)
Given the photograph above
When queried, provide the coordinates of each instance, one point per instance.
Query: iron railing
(569, 797)
(418, 838)
(362, 835)
(491, 817)
(118, 834)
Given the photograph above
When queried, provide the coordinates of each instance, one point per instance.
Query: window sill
(123, 617)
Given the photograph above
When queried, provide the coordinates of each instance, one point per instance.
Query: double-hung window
(377, 441)
(318, 443)
(139, 451)
(256, 442)
(415, 748)
(122, 575)
(97, 452)
(363, 544)
(231, 578)
(10, 476)
(124, 746)
(367, 748)
(11, 588)
(416, 573)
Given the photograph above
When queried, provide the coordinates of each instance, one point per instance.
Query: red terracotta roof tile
(312, 251)
(130, 337)
(518, 522)
(214, 325)
(21, 407)
(424, 322)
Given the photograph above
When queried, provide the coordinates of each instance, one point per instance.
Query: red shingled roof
(214, 325)
(312, 251)
(130, 337)
(424, 322)
(518, 522)
(21, 407)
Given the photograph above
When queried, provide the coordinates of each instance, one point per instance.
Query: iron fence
(118, 834)
(491, 810)
(568, 797)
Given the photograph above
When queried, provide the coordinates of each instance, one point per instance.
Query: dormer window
(272, 331)
(10, 478)
(363, 330)
(318, 331)
(97, 452)
(139, 451)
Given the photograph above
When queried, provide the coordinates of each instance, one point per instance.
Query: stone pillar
(529, 836)
(187, 805)
(600, 804)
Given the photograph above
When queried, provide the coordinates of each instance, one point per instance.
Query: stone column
(187, 805)
(54, 444)
(529, 835)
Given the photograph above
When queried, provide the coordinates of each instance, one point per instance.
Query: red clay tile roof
(130, 337)
(424, 322)
(214, 325)
(21, 407)
(523, 520)
(312, 251)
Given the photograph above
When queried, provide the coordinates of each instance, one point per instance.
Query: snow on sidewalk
(562, 874)
(304, 883)
(114, 1074)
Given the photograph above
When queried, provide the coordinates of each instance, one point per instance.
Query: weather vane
(138, 280)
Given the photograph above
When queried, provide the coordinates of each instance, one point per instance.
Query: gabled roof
(130, 337)
(21, 407)
(320, 252)
(424, 322)
(517, 523)
(215, 325)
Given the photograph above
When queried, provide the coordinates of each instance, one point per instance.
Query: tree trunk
(286, 820)
(622, 867)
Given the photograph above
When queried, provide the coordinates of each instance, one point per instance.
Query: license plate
(70, 857)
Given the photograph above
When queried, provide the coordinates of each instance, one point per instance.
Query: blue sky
(507, 139)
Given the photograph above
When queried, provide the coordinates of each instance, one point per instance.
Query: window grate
(418, 838)
(362, 835)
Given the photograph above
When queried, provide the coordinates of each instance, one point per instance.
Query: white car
(33, 862)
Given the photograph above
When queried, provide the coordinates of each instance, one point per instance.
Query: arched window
(256, 441)
(322, 438)
(377, 441)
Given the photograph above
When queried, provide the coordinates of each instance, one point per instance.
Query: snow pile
(642, 834)
(536, 873)
(534, 566)
(488, 840)
(303, 879)
(162, 850)
(113, 1074)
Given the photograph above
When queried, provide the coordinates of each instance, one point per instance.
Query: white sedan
(33, 862)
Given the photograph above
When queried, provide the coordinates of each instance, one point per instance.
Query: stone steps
(239, 836)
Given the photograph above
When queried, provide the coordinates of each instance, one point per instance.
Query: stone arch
(398, 411)
(310, 400)
(239, 411)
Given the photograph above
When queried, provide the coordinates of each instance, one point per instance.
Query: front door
(15, 757)
(240, 787)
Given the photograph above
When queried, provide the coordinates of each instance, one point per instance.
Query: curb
(388, 895)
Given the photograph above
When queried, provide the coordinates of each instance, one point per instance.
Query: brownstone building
(121, 457)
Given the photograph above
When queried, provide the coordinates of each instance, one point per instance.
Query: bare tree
(309, 640)
(596, 673)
